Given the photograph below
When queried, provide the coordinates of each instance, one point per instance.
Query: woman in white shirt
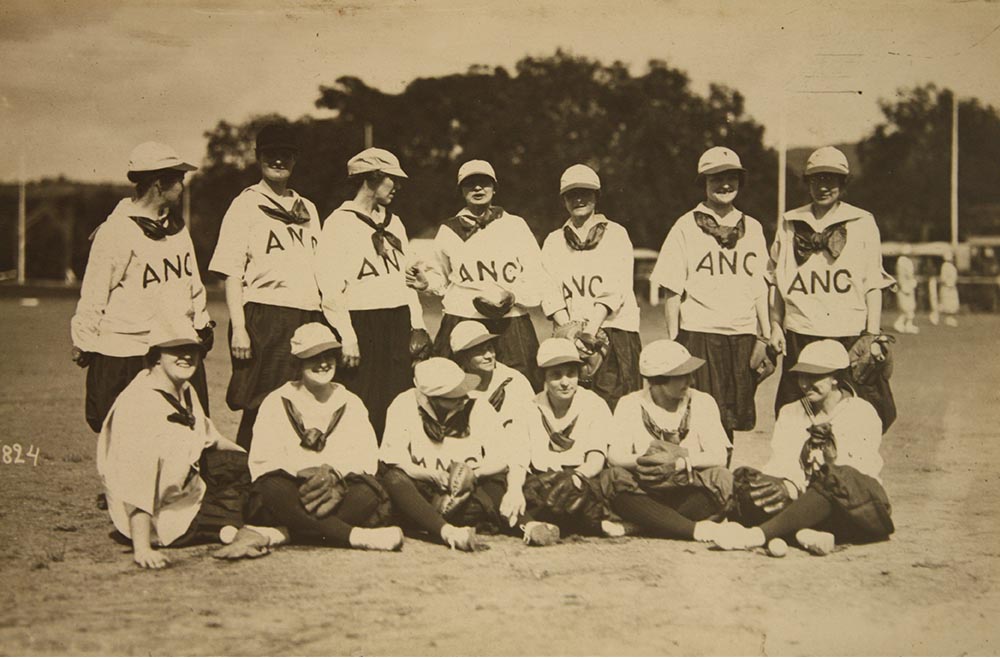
(822, 482)
(314, 455)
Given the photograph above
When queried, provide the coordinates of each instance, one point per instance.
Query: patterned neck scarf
(562, 440)
(593, 237)
(297, 215)
(381, 234)
(312, 438)
(726, 236)
(498, 396)
(807, 241)
(183, 413)
(465, 226)
(455, 426)
(159, 229)
(669, 436)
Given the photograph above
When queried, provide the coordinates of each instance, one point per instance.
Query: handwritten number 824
(15, 454)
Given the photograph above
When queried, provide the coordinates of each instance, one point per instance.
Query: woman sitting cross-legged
(668, 452)
(170, 478)
(447, 464)
(314, 455)
(821, 484)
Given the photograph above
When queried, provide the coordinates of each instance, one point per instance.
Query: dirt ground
(68, 589)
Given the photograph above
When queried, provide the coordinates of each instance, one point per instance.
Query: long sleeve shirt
(706, 440)
(719, 286)
(502, 255)
(857, 432)
(825, 296)
(350, 448)
(353, 276)
(586, 427)
(131, 282)
(601, 275)
(275, 260)
(149, 463)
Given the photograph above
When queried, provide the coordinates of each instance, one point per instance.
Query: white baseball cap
(438, 377)
(467, 334)
(476, 168)
(579, 176)
(827, 159)
(153, 156)
(717, 160)
(312, 339)
(374, 159)
(557, 351)
(822, 357)
(667, 358)
(172, 334)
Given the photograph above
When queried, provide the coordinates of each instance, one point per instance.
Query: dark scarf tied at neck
(498, 396)
(669, 436)
(593, 237)
(455, 426)
(381, 234)
(183, 414)
(155, 229)
(807, 241)
(465, 226)
(296, 216)
(726, 236)
(312, 438)
(562, 440)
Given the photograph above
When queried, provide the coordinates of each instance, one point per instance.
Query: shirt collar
(584, 231)
(731, 218)
(262, 188)
(353, 206)
(844, 212)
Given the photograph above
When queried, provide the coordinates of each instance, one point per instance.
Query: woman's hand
(416, 278)
(351, 354)
(512, 506)
(149, 558)
(777, 342)
(80, 357)
(240, 344)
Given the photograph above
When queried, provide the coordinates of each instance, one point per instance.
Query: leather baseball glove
(461, 480)
(321, 490)
(657, 468)
(420, 345)
(870, 357)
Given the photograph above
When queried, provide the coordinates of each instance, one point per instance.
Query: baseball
(777, 547)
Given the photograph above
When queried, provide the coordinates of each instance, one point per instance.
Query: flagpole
(954, 172)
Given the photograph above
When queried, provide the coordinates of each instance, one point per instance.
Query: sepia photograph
(475, 328)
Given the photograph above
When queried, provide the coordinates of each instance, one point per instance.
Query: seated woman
(569, 429)
(314, 455)
(821, 484)
(446, 462)
(668, 451)
(170, 478)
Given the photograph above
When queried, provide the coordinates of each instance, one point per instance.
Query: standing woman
(489, 268)
(592, 261)
(713, 265)
(141, 269)
(826, 265)
(266, 253)
(363, 274)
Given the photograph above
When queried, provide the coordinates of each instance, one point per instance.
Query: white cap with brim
(476, 168)
(827, 159)
(438, 377)
(375, 159)
(579, 177)
(666, 358)
(717, 160)
(467, 334)
(822, 358)
(556, 352)
(312, 339)
(166, 334)
(154, 156)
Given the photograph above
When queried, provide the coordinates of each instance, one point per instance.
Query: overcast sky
(83, 81)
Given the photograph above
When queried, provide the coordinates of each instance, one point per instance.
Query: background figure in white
(947, 293)
(906, 296)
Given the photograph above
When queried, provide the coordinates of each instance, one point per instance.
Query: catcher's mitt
(592, 349)
(461, 480)
(567, 495)
(762, 360)
(494, 309)
(321, 490)
(569, 330)
(420, 345)
(819, 451)
(206, 336)
(657, 468)
(870, 358)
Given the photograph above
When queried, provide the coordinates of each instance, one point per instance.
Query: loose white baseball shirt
(592, 430)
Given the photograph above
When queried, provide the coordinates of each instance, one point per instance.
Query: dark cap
(277, 136)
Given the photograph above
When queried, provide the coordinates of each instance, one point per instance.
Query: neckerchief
(560, 441)
(820, 447)
(726, 236)
(455, 426)
(312, 438)
(381, 233)
(183, 413)
(158, 230)
(669, 436)
(593, 237)
(465, 229)
(498, 396)
(807, 241)
(297, 215)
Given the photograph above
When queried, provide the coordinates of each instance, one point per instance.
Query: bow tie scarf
(381, 234)
(183, 413)
(296, 216)
(455, 426)
(158, 230)
(593, 237)
(807, 242)
(466, 226)
(498, 396)
(669, 436)
(726, 236)
(562, 440)
(312, 438)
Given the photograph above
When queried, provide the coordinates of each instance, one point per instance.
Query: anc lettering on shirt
(726, 262)
(583, 285)
(178, 266)
(296, 235)
(391, 258)
(812, 282)
(505, 270)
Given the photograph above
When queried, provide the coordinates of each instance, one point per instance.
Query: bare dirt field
(68, 589)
